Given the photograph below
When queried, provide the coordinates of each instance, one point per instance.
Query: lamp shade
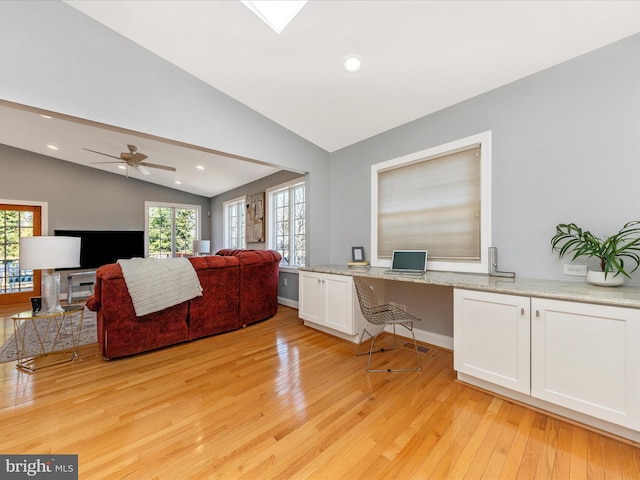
(201, 246)
(38, 253)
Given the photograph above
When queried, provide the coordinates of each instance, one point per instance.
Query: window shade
(433, 204)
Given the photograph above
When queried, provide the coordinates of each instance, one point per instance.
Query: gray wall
(565, 149)
(56, 58)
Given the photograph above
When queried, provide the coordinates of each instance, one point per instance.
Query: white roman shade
(432, 203)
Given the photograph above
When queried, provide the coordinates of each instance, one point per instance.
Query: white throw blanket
(158, 283)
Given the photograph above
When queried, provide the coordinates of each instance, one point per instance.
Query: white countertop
(624, 296)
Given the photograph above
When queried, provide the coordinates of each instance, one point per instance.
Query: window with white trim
(437, 200)
(234, 223)
(286, 222)
(170, 229)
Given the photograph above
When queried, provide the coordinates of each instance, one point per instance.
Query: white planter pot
(597, 278)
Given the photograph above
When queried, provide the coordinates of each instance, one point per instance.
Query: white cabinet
(311, 297)
(328, 301)
(580, 357)
(587, 358)
(491, 338)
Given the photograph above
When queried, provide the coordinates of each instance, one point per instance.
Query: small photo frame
(357, 254)
(36, 304)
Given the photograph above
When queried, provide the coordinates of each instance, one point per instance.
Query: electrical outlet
(577, 270)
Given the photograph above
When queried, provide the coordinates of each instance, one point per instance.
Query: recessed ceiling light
(178, 182)
(199, 167)
(352, 64)
(122, 167)
(45, 116)
(52, 147)
(276, 14)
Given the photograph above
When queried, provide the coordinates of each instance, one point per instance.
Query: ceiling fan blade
(100, 153)
(142, 170)
(155, 165)
(99, 163)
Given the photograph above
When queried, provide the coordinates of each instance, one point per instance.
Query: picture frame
(357, 254)
(255, 218)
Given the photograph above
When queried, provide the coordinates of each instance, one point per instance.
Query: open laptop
(408, 262)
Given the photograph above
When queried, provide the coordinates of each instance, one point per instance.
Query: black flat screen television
(100, 247)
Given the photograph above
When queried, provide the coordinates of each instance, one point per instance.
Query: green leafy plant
(612, 252)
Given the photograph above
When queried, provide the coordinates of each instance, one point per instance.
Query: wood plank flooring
(280, 400)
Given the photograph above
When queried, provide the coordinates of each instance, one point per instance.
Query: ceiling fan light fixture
(142, 170)
(352, 64)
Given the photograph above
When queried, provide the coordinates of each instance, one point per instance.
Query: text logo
(50, 467)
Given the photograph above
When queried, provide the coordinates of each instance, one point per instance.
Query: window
(286, 222)
(234, 223)
(18, 220)
(171, 229)
(439, 200)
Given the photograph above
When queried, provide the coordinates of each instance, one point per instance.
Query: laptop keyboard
(410, 273)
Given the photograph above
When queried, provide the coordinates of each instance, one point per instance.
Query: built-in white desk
(570, 348)
(625, 296)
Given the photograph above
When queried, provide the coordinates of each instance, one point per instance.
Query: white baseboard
(288, 302)
(424, 336)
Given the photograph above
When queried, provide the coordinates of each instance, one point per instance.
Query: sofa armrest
(93, 304)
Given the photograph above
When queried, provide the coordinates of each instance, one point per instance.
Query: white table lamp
(201, 246)
(48, 253)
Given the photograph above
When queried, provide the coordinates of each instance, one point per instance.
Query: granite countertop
(624, 296)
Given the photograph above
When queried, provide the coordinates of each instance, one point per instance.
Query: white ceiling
(27, 129)
(418, 57)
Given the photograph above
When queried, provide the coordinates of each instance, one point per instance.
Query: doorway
(17, 221)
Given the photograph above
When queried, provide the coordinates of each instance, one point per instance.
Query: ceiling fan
(134, 159)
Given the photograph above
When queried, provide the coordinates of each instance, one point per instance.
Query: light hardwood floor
(280, 400)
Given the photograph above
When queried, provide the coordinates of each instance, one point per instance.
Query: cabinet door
(587, 357)
(311, 301)
(491, 338)
(338, 307)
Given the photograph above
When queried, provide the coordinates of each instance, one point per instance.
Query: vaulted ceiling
(417, 57)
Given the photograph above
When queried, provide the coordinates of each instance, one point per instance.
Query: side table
(56, 334)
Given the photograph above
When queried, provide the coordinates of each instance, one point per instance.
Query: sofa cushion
(258, 283)
(218, 310)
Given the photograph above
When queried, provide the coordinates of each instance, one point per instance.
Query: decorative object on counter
(493, 265)
(612, 252)
(357, 258)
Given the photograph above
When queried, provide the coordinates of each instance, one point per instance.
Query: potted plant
(612, 251)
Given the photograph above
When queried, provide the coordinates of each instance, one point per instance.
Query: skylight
(276, 14)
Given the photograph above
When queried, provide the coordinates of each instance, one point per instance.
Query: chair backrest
(367, 298)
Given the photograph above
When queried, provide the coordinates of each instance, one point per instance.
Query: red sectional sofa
(239, 287)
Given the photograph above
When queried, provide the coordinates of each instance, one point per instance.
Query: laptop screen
(409, 260)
